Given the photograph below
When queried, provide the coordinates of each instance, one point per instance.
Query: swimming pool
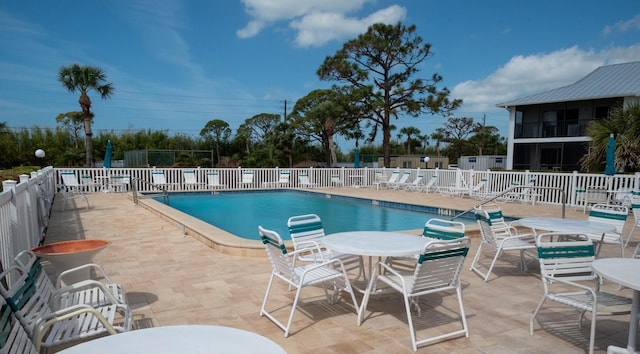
(240, 213)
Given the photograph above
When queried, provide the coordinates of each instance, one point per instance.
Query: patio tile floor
(172, 278)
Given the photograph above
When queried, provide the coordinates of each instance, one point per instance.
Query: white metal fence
(25, 206)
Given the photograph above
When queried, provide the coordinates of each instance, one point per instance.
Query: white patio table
(623, 271)
(188, 339)
(375, 243)
(568, 225)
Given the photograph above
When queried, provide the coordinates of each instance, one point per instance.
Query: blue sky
(177, 64)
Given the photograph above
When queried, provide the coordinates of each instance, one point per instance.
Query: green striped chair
(306, 231)
(568, 279)
(13, 338)
(50, 328)
(436, 270)
(328, 273)
(609, 214)
(635, 209)
(440, 229)
(500, 237)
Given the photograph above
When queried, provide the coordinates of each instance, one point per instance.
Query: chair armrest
(574, 284)
(313, 249)
(84, 285)
(95, 266)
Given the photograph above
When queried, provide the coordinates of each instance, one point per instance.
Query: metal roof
(610, 81)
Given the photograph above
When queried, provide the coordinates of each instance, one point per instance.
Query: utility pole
(285, 110)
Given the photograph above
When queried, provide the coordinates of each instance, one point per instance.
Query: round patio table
(189, 339)
(375, 243)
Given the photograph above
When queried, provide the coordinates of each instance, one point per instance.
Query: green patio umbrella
(610, 168)
(107, 155)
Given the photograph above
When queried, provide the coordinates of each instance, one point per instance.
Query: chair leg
(293, 311)
(407, 306)
(630, 234)
(463, 316)
(475, 260)
(535, 313)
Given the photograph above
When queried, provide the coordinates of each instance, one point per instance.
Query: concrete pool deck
(173, 278)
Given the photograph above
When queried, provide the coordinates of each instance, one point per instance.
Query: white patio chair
(437, 270)
(213, 180)
(120, 183)
(568, 279)
(306, 231)
(431, 185)
(402, 181)
(609, 214)
(416, 185)
(51, 328)
(13, 338)
(283, 180)
(160, 180)
(395, 175)
(336, 181)
(328, 273)
(88, 184)
(303, 178)
(71, 189)
(635, 209)
(247, 179)
(499, 237)
(64, 293)
(191, 180)
(379, 178)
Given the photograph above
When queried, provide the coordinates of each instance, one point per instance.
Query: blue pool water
(240, 213)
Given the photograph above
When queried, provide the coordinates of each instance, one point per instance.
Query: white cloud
(316, 21)
(527, 75)
(318, 28)
(623, 26)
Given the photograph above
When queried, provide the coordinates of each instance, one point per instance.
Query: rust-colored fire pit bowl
(70, 254)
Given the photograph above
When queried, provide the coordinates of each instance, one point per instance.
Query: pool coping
(230, 244)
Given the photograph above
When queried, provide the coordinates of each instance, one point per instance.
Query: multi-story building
(547, 130)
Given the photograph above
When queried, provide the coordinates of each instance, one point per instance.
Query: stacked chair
(52, 316)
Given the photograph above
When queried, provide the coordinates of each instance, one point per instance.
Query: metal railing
(510, 190)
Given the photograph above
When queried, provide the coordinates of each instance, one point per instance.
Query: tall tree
(74, 122)
(77, 78)
(319, 116)
(624, 124)
(383, 63)
(410, 132)
(216, 132)
(456, 131)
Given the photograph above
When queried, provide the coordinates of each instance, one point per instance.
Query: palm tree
(624, 124)
(77, 78)
(410, 132)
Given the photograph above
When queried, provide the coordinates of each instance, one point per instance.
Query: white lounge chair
(71, 189)
(213, 180)
(404, 179)
(160, 180)
(88, 184)
(283, 180)
(437, 270)
(395, 175)
(568, 279)
(247, 179)
(303, 178)
(329, 273)
(416, 186)
(191, 180)
(336, 181)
